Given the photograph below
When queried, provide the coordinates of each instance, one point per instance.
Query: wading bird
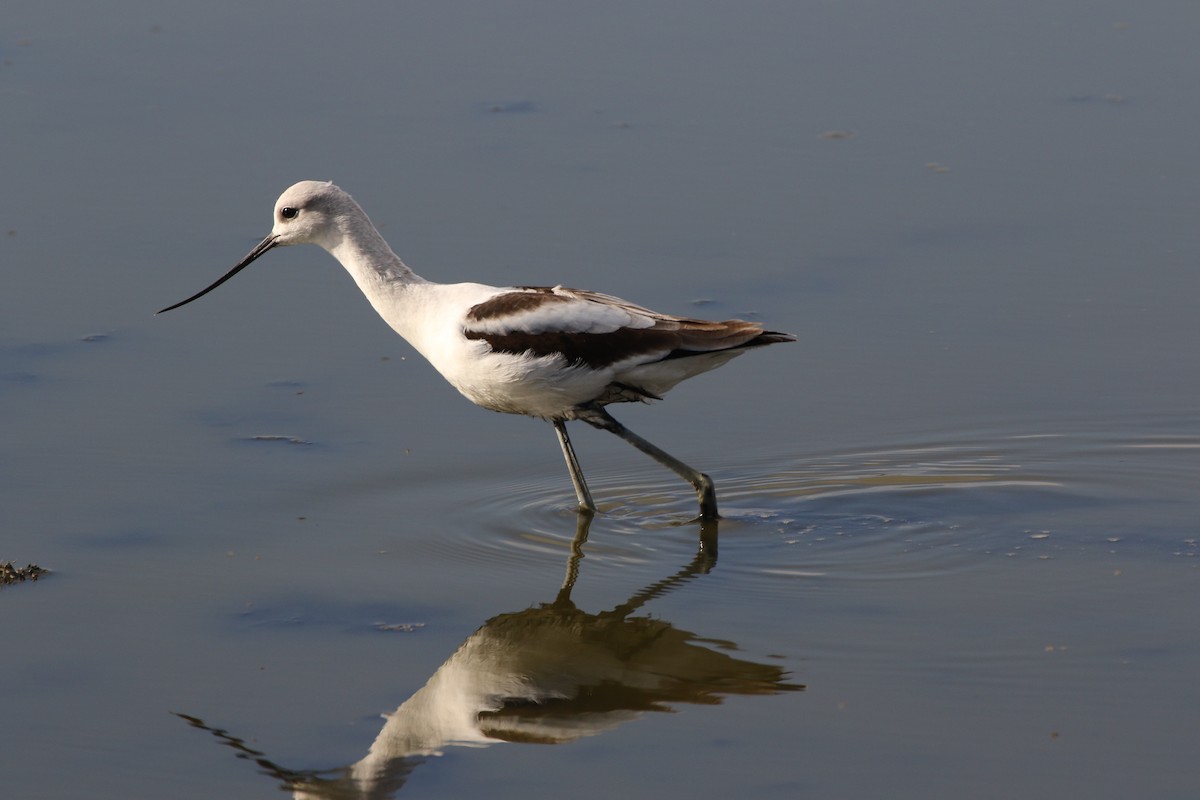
(550, 352)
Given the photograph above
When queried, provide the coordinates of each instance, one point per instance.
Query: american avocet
(550, 352)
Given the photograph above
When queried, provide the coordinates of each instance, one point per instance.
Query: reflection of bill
(549, 675)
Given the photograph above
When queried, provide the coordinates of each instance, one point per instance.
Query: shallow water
(959, 547)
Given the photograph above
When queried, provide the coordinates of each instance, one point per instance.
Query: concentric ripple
(910, 510)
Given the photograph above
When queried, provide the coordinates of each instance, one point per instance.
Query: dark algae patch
(10, 574)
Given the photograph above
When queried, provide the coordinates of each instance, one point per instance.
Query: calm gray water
(959, 555)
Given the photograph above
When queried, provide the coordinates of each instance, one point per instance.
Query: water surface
(959, 552)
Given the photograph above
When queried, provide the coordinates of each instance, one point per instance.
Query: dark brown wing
(599, 330)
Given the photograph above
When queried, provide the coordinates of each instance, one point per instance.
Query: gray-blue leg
(597, 417)
(581, 489)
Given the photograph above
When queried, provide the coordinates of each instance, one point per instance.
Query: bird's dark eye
(289, 212)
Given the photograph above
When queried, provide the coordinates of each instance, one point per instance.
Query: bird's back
(542, 351)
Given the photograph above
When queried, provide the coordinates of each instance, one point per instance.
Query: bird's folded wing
(595, 329)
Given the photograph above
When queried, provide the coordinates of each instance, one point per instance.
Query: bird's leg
(597, 417)
(581, 489)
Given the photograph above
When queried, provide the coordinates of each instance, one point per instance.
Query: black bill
(262, 247)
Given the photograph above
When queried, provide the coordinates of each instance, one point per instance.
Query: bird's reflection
(548, 675)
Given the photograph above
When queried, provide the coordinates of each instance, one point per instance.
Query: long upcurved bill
(262, 247)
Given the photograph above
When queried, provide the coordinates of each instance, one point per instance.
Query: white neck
(394, 290)
(365, 254)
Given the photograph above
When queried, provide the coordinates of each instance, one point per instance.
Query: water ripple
(915, 509)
